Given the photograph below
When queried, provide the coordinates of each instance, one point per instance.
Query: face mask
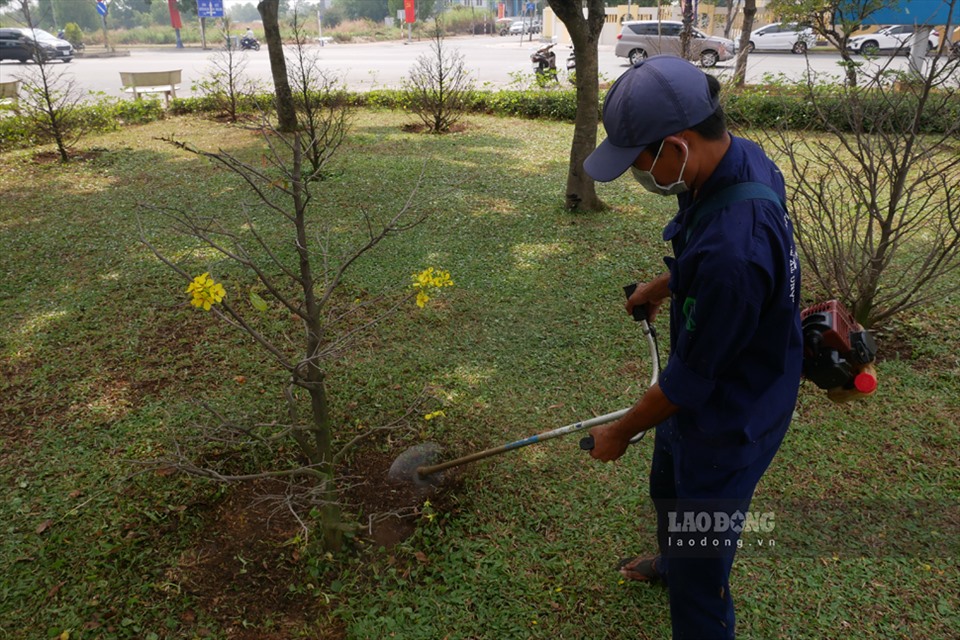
(648, 182)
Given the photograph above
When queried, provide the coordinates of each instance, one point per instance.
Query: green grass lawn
(103, 362)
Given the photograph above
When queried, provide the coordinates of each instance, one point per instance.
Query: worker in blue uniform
(724, 400)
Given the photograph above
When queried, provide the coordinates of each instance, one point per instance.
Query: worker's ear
(678, 143)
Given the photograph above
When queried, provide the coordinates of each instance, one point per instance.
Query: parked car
(521, 27)
(639, 39)
(33, 44)
(895, 39)
(782, 36)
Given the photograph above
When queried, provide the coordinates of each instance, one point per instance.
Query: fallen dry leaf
(46, 524)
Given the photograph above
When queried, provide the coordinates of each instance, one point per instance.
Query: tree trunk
(731, 14)
(311, 375)
(686, 34)
(581, 193)
(749, 12)
(286, 113)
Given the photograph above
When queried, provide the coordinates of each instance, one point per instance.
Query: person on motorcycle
(249, 34)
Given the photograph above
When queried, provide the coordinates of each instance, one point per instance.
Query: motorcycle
(544, 61)
(249, 43)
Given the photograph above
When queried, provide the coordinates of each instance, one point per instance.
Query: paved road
(493, 61)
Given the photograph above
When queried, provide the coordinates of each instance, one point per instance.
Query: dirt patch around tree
(241, 571)
(247, 574)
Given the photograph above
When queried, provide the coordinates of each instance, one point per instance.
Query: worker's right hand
(608, 445)
(652, 294)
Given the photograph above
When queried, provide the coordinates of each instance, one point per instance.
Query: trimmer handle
(640, 311)
(640, 314)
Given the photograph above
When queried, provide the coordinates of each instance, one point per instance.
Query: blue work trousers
(701, 512)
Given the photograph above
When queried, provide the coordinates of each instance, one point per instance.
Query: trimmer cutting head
(404, 468)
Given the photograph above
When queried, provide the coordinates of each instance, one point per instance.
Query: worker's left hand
(608, 444)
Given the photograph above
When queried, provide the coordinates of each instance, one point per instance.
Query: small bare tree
(321, 101)
(225, 83)
(439, 84)
(875, 189)
(296, 275)
(51, 102)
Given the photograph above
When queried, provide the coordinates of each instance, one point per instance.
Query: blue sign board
(210, 8)
(101, 8)
(930, 12)
(531, 6)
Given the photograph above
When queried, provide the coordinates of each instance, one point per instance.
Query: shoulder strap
(734, 193)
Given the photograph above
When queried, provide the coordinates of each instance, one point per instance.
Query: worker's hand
(653, 294)
(608, 444)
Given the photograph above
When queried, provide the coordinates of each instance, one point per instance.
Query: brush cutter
(418, 465)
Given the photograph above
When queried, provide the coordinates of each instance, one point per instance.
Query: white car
(781, 36)
(519, 27)
(896, 39)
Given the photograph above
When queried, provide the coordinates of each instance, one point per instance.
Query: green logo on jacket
(689, 309)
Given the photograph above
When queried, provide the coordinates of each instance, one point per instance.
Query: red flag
(409, 11)
(174, 14)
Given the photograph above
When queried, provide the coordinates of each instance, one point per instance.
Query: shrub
(74, 34)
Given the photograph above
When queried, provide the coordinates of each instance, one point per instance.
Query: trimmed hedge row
(753, 107)
(18, 132)
(845, 109)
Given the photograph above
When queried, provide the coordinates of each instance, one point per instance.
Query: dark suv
(33, 44)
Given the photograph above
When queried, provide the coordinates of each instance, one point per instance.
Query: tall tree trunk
(286, 113)
(581, 193)
(686, 34)
(732, 6)
(749, 13)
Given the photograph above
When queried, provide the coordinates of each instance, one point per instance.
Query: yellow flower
(205, 291)
(435, 414)
(427, 280)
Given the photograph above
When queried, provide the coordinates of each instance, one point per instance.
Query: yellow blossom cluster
(205, 291)
(427, 280)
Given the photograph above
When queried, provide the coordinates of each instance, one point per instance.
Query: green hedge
(753, 107)
(840, 107)
(17, 132)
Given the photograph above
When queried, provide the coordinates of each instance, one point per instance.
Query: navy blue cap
(656, 98)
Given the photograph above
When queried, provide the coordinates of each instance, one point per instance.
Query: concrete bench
(140, 82)
(10, 94)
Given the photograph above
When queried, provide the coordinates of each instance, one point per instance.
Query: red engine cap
(865, 383)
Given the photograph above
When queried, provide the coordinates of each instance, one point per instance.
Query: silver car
(639, 39)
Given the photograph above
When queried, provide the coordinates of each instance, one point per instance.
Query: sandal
(641, 569)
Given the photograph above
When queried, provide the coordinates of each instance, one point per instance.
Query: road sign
(210, 8)
(101, 8)
(531, 6)
(930, 12)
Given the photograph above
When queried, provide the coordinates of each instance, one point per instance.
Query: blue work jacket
(736, 345)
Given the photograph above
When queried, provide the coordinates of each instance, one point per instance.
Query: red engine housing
(836, 348)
